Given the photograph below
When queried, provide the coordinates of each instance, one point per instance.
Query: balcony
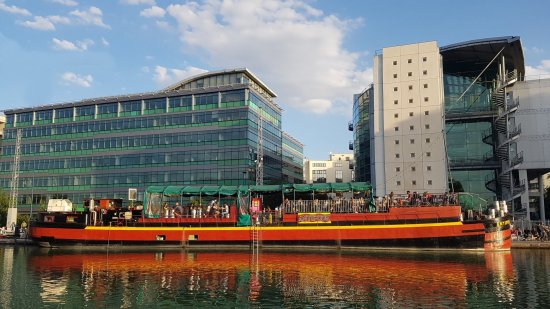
(350, 145)
(350, 126)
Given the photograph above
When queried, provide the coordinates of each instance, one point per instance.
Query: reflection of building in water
(54, 287)
(5, 283)
(189, 280)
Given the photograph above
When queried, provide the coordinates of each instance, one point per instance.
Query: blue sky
(314, 54)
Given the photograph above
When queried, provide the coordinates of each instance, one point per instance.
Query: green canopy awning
(265, 188)
(321, 187)
(191, 190)
(210, 190)
(228, 190)
(155, 189)
(302, 187)
(340, 187)
(360, 186)
(173, 190)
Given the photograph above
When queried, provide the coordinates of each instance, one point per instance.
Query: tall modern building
(462, 116)
(208, 129)
(293, 160)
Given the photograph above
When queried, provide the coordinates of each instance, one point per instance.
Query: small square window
(428, 168)
(425, 99)
(413, 155)
(410, 61)
(411, 128)
(397, 156)
(425, 85)
(424, 59)
(395, 102)
(414, 182)
(410, 100)
(413, 168)
(427, 126)
(411, 114)
(396, 128)
(428, 140)
(410, 74)
(394, 62)
(397, 142)
(428, 154)
(394, 88)
(394, 75)
(429, 182)
(411, 141)
(395, 115)
(398, 169)
(398, 183)
(426, 113)
(425, 72)
(410, 87)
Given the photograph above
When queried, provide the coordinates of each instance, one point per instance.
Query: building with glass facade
(485, 145)
(293, 160)
(203, 130)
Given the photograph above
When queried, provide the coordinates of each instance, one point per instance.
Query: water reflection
(280, 280)
(206, 279)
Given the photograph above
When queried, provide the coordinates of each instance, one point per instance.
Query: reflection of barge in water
(341, 277)
(320, 220)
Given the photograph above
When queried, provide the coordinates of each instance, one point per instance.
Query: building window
(398, 169)
(412, 141)
(429, 182)
(412, 155)
(428, 168)
(411, 114)
(410, 100)
(394, 75)
(425, 72)
(426, 113)
(427, 140)
(396, 128)
(410, 74)
(397, 156)
(425, 99)
(427, 126)
(428, 154)
(394, 62)
(398, 183)
(413, 168)
(414, 182)
(410, 87)
(395, 115)
(424, 59)
(397, 142)
(339, 176)
(425, 85)
(411, 128)
(394, 88)
(410, 61)
(395, 102)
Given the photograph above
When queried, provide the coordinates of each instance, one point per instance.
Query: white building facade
(408, 120)
(338, 168)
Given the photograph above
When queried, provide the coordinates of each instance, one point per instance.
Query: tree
(4, 204)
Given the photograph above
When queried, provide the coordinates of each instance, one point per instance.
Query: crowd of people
(213, 210)
(537, 232)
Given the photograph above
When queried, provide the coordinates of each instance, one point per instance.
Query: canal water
(32, 277)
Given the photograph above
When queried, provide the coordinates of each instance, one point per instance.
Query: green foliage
(4, 204)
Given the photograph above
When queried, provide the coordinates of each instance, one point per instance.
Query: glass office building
(293, 160)
(203, 130)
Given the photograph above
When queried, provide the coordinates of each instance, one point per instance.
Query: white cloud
(165, 76)
(153, 11)
(66, 2)
(105, 42)
(39, 23)
(540, 71)
(294, 48)
(13, 9)
(64, 44)
(163, 25)
(79, 80)
(136, 2)
(46, 23)
(93, 16)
